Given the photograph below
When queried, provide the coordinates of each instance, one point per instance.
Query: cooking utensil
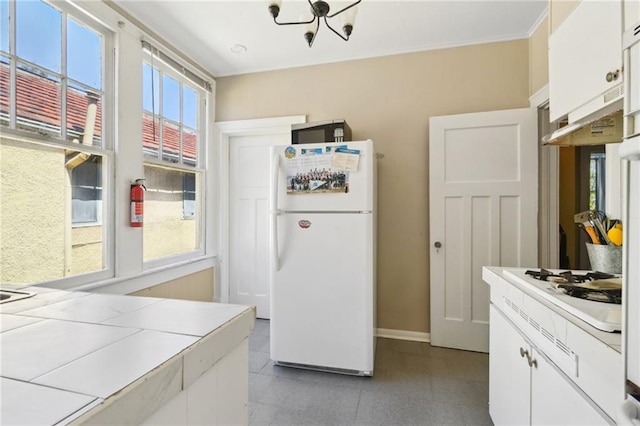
(602, 233)
(592, 220)
(591, 233)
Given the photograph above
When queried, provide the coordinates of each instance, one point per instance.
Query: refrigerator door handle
(274, 212)
(274, 241)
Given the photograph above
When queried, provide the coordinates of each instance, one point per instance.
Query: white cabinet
(555, 400)
(525, 388)
(509, 373)
(585, 60)
(219, 397)
(631, 13)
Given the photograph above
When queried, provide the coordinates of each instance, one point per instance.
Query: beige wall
(390, 100)
(559, 10)
(539, 57)
(87, 249)
(198, 286)
(166, 232)
(32, 213)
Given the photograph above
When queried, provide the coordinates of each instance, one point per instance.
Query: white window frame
(106, 151)
(201, 158)
(124, 160)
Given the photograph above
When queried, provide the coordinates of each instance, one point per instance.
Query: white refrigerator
(323, 256)
(630, 150)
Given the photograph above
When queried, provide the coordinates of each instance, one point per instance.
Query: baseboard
(415, 336)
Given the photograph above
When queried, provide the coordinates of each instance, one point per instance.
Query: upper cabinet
(631, 13)
(585, 60)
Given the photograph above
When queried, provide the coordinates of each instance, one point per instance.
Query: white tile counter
(84, 358)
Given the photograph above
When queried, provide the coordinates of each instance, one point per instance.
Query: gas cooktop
(583, 294)
(595, 286)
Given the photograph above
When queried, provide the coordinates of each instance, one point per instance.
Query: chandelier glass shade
(320, 10)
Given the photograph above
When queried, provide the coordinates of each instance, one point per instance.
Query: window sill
(150, 277)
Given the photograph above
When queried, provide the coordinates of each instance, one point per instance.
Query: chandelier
(320, 10)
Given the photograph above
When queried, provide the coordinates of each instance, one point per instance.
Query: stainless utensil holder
(605, 258)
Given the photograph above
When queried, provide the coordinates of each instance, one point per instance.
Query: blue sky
(38, 40)
(171, 97)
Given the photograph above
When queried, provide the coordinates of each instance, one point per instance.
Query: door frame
(548, 220)
(224, 131)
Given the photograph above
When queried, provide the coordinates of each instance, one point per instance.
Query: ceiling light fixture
(238, 49)
(319, 9)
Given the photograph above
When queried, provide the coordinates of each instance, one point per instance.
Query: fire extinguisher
(137, 203)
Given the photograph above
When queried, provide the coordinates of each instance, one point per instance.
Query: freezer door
(299, 183)
(322, 297)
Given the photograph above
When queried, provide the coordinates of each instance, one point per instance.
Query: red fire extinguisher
(137, 203)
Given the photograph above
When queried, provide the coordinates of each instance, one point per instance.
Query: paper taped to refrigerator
(345, 161)
(314, 174)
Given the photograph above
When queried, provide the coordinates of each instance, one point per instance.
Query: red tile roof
(39, 105)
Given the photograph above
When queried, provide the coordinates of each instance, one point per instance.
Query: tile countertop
(67, 356)
(613, 340)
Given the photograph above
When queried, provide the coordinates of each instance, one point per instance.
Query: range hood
(601, 127)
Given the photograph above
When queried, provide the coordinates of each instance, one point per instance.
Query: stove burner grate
(570, 284)
(568, 276)
(609, 295)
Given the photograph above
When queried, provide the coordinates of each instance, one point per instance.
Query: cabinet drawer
(599, 369)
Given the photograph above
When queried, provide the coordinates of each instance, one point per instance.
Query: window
(86, 192)
(54, 97)
(53, 148)
(173, 113)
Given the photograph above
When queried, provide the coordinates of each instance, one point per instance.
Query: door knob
(437, 244)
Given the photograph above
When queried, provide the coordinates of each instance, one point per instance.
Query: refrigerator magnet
(289, 152)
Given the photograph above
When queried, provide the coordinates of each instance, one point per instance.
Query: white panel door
(249, 219)
(483, 194)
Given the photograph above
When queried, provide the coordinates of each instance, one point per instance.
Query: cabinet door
(631, 13)
(509, 373)
(554, 401)
(586, 47)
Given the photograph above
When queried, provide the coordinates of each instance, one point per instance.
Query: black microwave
(320, 132)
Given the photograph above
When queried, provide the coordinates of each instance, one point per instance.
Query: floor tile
(413, 384)
(261, 327)
(259, 343)
(383, 408)
(257, 361)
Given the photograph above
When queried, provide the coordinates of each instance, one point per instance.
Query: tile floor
(413, 384)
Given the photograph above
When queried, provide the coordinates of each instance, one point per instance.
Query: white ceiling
(205, 30)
